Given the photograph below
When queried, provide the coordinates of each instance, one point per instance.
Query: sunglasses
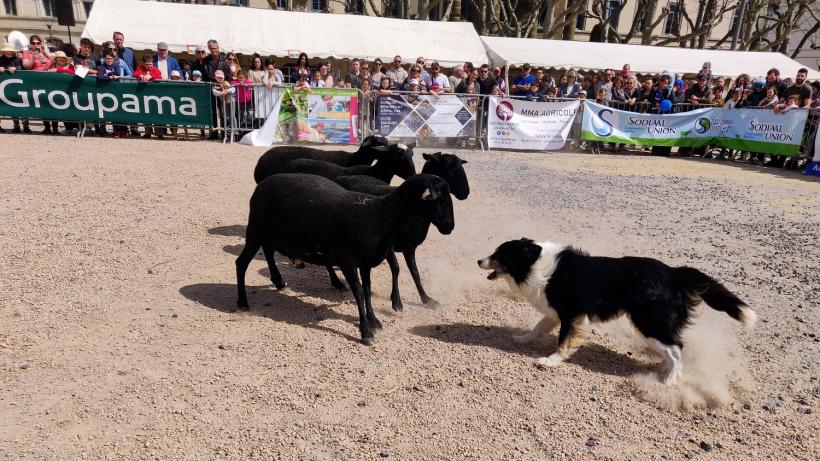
(163, 49)
(200, 52)
(420, 62)
(397, 61)
(36, 43)
(112, 49)
(231, 59)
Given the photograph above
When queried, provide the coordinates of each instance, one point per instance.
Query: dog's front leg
(546, 325)
(571, 336)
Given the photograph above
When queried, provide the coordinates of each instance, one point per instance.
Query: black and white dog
(573, 289)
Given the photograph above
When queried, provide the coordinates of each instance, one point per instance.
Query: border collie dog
(573, 289)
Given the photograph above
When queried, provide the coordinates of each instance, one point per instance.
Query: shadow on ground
(285, 306)
(591, 356)
(236, 230)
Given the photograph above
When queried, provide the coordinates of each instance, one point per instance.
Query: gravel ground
(118, 338)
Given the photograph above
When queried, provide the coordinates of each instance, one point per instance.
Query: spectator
(85, 57)
(679, 93)
(742, 81)
(552, 92)
(355, 76)
(378, 72)
(758, 92)
(415, 74)
(302, 67)
(185, 73)
(61, 64)
(385, 86)
(425, 76)
(364, 72)
(196, 76)
(327, 77)
(317, 81)
(10, 62)
(571, 88)
(265, 96)
(486, 82)
(534, 94)
(242, 98)
(706, 69)
(233, 63)
(109, 70)
(502, 85)
(177, 76)
(397, 73)
(223, 91)
(663, 91)
(736, 101)
(470, 84)
(631, 94)
(456, 76)
(37, 56)
(792, 102)
(257, 70)
(800, 88)
(700, 93)
(125, 53)
(771, 98)
(522, 83)
(412, 86)
(816, 95)
(468, 68)
(600, 98)
(302, 83)
(125, 71)
(773, 79)
(439, 83)
(605, 83)
(719, 89)
(646, 95)
(164, 62)
(618, 94)
(147, 73)
(214, 62)
(199, 64)
(626, 74)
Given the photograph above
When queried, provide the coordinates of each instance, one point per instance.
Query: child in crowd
(302, 84)
(196, 76)
(791, 103)
(317, 81)
(595, 146)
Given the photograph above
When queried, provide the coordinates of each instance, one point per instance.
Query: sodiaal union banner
(529, 125)
(56, 96)
(753, 130)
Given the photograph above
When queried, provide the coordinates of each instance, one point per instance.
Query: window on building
(672, 26)
(355, 6)
(613, 11)
(318, 5)
(11, 7)
(49, 8)
(467, 11)
(581, 22)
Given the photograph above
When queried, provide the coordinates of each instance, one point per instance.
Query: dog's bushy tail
(699, 286)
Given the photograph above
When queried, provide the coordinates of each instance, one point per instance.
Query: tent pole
(507, 77)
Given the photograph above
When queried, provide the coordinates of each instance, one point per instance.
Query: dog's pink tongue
(492, 275)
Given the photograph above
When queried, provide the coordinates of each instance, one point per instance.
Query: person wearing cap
(706, 69)
(165, 62)
(61, 63)
(439, 83)
(521, 84)
(699, 93)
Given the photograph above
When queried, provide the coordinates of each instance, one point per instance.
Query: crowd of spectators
(622, 89)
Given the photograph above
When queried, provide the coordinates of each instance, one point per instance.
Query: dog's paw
(523, 339)
(552, 361)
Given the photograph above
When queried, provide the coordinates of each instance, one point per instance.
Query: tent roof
(641, 58)
(272, 32)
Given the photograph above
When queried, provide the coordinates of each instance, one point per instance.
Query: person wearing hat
(200, 52)
(61, 63)
(165, 62)
(10, 62)
(700, 93)
(521, 84)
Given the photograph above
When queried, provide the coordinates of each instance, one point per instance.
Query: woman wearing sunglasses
(37, 56)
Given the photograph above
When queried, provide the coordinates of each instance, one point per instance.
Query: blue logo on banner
(602, 126)
(702, 125)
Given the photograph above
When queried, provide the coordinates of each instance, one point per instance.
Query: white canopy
(280, 33)
(592, 55)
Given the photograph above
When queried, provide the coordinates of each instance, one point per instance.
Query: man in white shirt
(437, 77)
(396, 73)
(165, 62)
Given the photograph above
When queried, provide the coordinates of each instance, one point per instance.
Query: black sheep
(413, 232)
(393, 160)
(318, 221)
(274, 160)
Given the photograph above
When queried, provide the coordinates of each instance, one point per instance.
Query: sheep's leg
(275, 276)
(368, 302)
(334, 279)
(349, 271)
(252, 245)
(410, 259)
(395, 297)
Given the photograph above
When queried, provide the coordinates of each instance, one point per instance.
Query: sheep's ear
(463, 161)
(428, 194)
(412, 145)
(427, 156)
(381, 149)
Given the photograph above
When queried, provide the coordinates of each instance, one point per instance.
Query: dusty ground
(118, 340)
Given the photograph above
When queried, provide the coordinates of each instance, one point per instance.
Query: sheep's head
(434, 194)
(399, 158)
(448, 167)
(374, 140)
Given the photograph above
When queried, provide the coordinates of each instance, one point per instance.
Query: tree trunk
(546, 24)
(455, 15)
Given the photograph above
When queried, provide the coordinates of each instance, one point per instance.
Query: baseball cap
(707, 64)
(162, 46)
(219, 73)
(175, 73)
(413, 81)
(196, 73)
(583, 92)
(435, 86)
(200, 48)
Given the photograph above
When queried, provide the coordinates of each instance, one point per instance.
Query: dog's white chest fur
(532, 289)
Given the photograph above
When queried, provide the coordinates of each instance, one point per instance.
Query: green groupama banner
(57, 96)
(752, 130)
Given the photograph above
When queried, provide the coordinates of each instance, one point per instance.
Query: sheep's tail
(699, 286)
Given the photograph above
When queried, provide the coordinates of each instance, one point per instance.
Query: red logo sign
(504, 110)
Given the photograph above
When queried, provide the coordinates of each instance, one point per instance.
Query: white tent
(280, 33)
(650, 59)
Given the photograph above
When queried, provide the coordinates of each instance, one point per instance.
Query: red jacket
(154, 73)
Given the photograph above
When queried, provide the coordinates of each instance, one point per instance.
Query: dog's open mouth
(492, 275)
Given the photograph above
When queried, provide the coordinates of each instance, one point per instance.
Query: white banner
(267, 103)
(526, 125)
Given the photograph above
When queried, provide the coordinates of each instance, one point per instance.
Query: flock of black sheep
(337, 209)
